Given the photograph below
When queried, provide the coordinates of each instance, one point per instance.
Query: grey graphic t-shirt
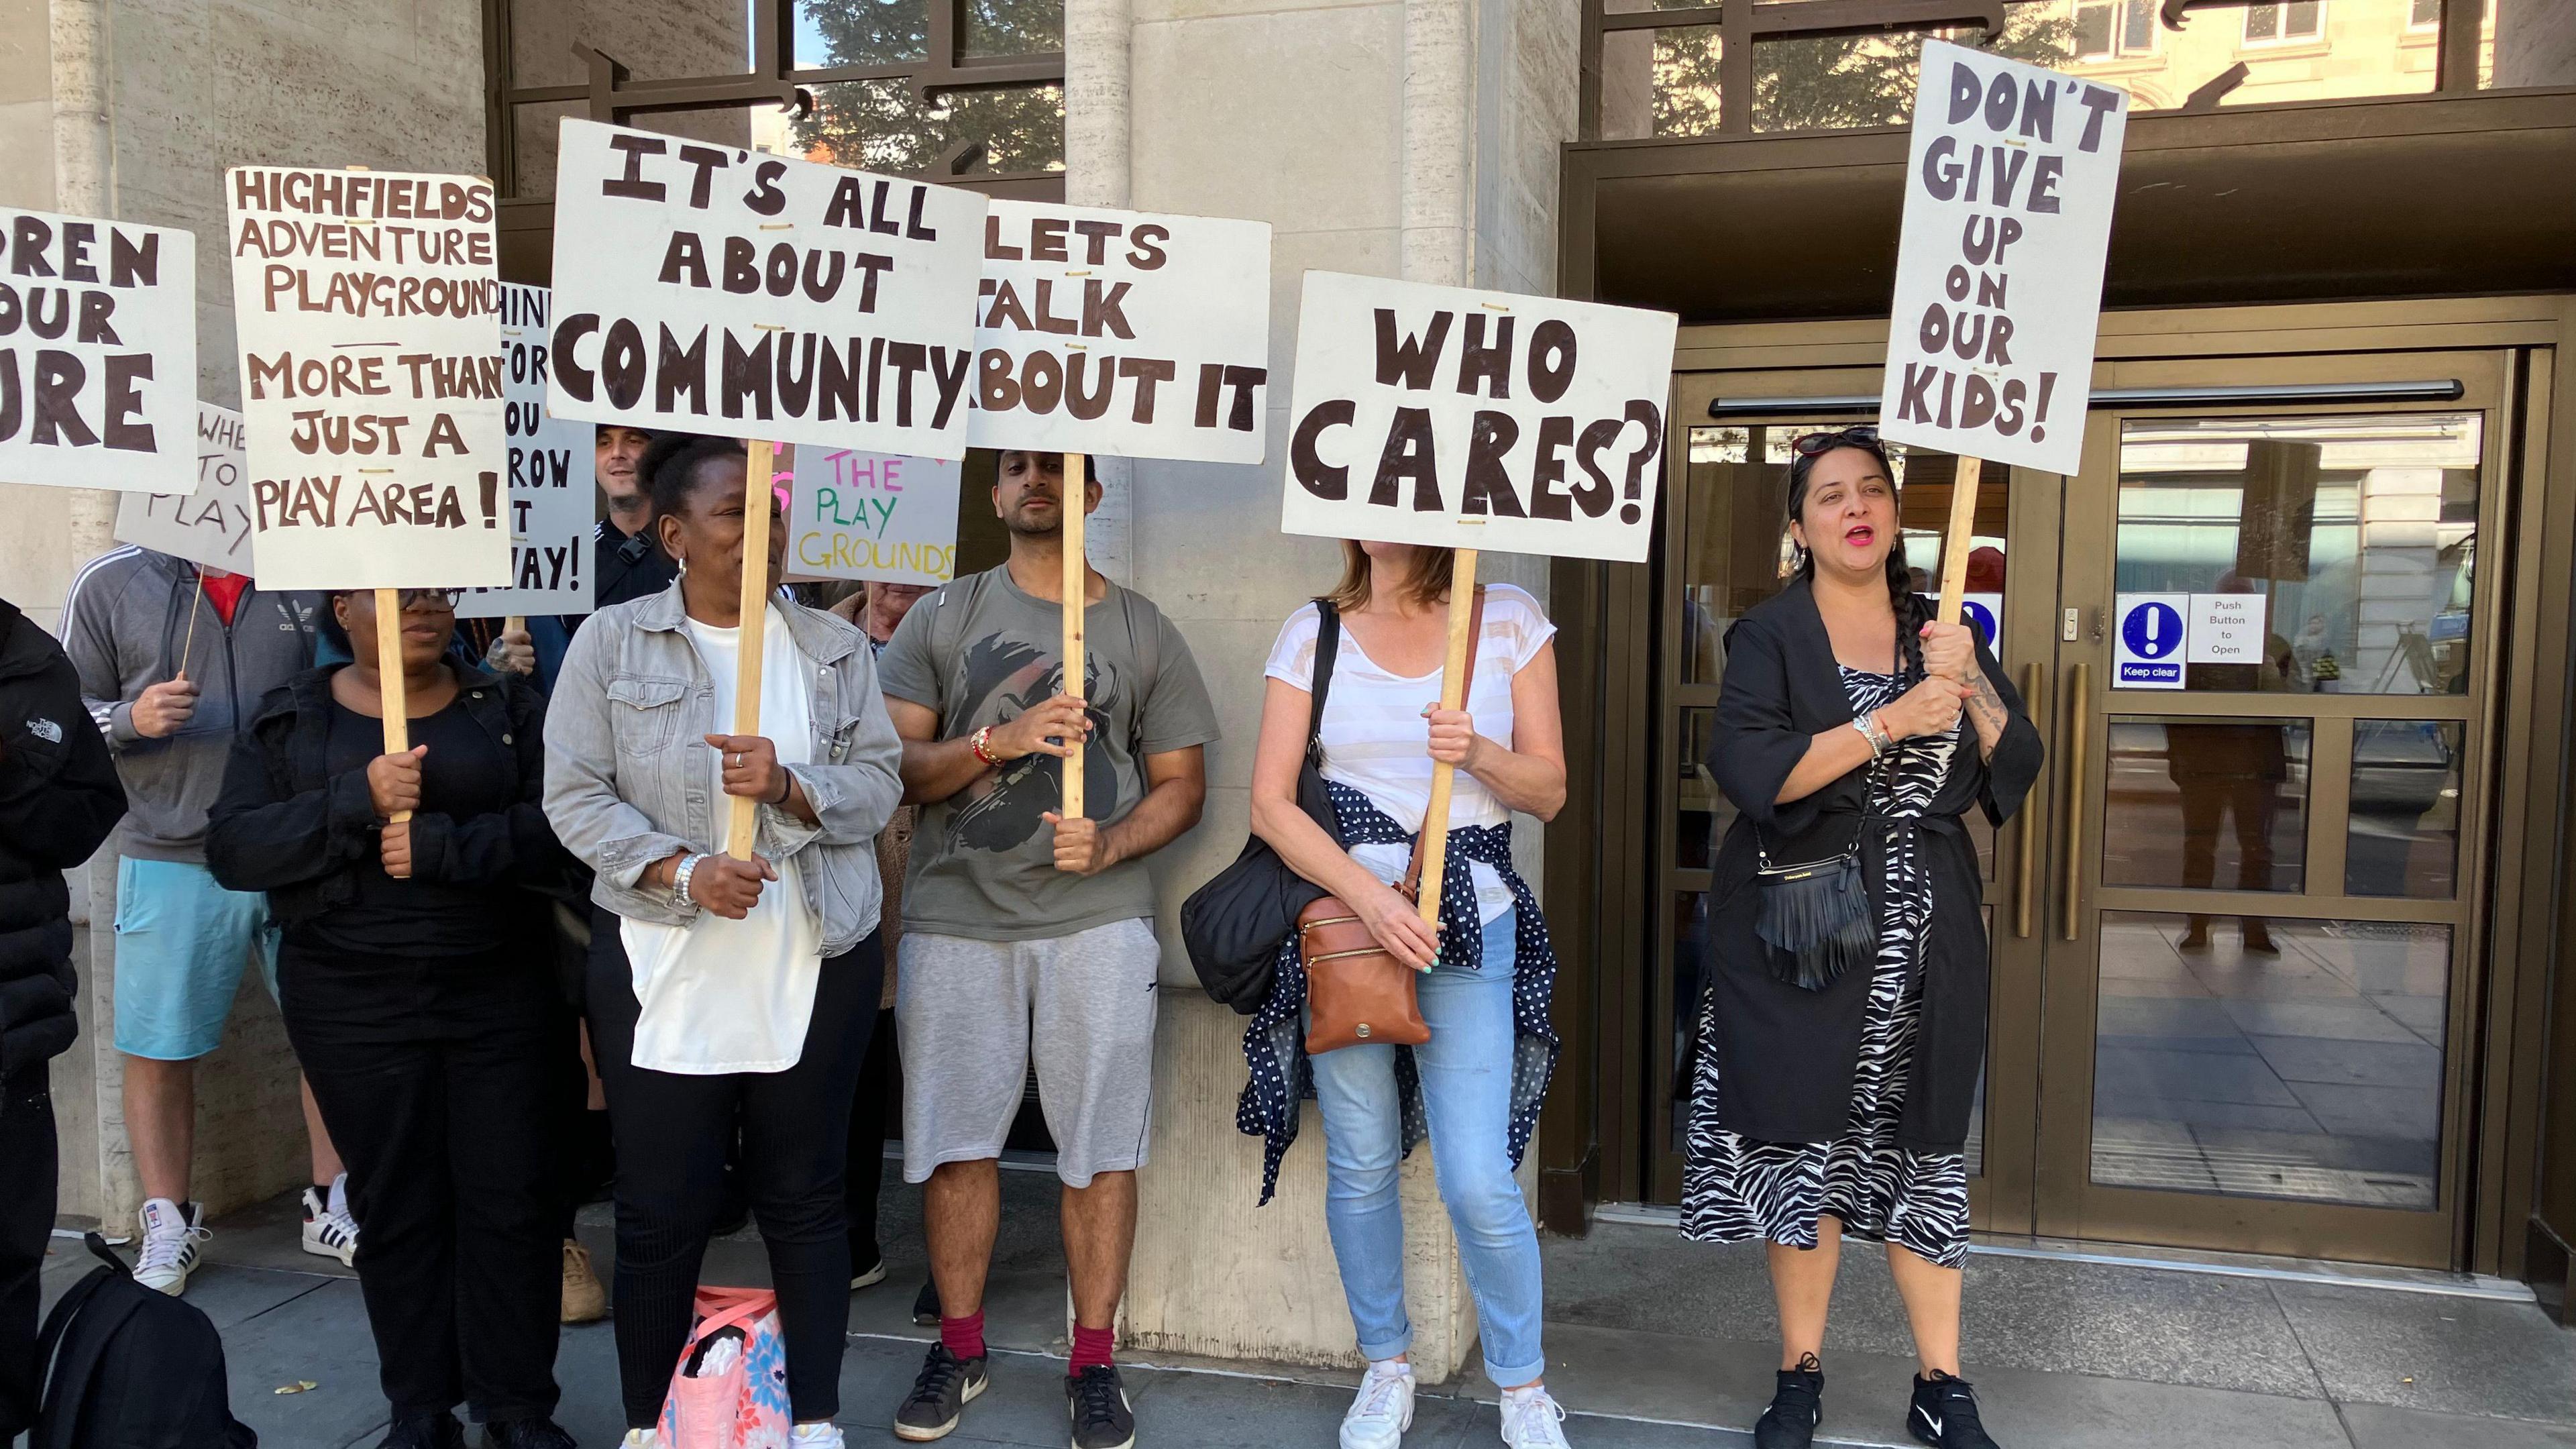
(983, 862)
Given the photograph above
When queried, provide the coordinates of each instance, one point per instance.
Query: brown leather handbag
(1356, 992)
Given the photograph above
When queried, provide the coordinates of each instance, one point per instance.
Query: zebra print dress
(1735, 1188)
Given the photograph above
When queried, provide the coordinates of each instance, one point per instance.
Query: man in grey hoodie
(173, 660)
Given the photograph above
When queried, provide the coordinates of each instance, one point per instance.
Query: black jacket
(1785, 1055)
(284, 826)
(59, 798)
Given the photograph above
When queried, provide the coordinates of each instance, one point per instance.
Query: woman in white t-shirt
(1476, 1084)
(725, 994)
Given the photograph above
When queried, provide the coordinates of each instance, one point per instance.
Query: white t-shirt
(721, 996)
(1376, 741)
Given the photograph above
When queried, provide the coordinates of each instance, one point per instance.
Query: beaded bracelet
(980, 742)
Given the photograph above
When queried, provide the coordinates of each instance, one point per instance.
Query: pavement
(2066, 1354)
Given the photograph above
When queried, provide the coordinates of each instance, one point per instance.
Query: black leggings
(672, 1131)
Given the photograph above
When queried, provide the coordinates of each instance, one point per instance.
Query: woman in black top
(1834, 1087)
(415, 986)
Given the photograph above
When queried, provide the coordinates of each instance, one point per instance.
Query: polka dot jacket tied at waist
(1274, 1045)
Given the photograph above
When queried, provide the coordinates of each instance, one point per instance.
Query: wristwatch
(680, 878)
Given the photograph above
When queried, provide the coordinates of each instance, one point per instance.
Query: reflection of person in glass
(1833, 1095)
(2231, 769)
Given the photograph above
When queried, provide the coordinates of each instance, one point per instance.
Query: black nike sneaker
(1097, 1404)
(1944, 1414)
(940, 1395)
(1797, 1405)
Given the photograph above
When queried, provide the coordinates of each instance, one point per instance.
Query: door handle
(2079, 679)
(2026, 855)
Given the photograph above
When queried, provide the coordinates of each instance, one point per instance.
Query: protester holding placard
(1030, 935)
(1487, 971)
(1843, 1025)
(725, 993)
(173, 658)
(59, 798)
(407, 886)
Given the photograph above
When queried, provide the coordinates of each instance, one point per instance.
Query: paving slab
(2452, 1355)
(2375, 1426)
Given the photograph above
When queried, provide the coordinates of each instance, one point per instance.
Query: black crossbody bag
(1814, 907)
(1234, 925)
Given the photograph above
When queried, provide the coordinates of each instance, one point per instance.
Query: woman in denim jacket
(722, 990)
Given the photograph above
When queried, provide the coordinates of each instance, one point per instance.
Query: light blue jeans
(1466, 1071)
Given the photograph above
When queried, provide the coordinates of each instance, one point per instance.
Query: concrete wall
(132, 108)
(1414, 139)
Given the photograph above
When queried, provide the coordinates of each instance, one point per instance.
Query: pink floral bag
(730, 1388)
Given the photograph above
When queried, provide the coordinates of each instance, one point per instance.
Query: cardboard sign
(1123, 333)
(1467, 419)
(369, 318)
(98, 353)
(552, 490)
(873, 516)
(719, 290)
(2008, 193)
(2227, 628)
(2147, 640)
(209, 525)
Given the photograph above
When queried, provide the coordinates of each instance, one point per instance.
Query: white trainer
(1532, 1420)
(1382, 1410)
(168, 1251)
(330, 1232)
(817, 1436)
(641, 1439)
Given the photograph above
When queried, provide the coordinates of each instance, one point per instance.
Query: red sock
(1090, 1348)
(964, 1336)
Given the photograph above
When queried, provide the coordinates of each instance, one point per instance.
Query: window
(2111, 29)
(2293, 21)
(2423, 14)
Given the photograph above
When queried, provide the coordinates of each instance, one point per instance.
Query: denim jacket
(629, 778)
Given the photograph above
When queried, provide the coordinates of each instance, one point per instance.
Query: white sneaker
(1382, 1410)
(330, 1232)
(168, 1251)
(1532, 1420)
(641, 1439)
(817, 1436)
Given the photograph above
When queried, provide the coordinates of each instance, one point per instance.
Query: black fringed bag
(1813, 909)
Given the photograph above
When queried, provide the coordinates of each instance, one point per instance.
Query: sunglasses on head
(1862, 435)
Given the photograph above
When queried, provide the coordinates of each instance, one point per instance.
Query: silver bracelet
(680, 877)
(1872, 731)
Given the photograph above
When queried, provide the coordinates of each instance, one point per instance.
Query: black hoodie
(59, 798)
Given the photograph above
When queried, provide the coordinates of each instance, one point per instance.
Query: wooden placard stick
(1954, 546)
(389, 678)
(743, 827)
(1453, 679)
(1077, 590)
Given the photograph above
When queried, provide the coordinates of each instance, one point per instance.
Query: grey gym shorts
(971, 1013)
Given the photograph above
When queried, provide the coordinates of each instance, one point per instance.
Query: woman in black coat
(1844, 1021)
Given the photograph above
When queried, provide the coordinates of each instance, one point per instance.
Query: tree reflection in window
(884, 125)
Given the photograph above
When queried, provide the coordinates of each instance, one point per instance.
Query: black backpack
(125, 1367)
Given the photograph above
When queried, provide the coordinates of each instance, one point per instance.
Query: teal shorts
(181, 944)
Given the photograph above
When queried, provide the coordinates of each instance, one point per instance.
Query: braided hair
(1912, 610)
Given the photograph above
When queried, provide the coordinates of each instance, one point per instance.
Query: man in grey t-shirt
(1030, 935)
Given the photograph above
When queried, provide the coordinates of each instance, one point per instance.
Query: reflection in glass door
(2275, 665)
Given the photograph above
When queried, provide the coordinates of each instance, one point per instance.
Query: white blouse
(1377, 742)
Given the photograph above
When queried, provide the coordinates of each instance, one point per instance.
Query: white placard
(2147, 634)
(98, 353)
(1124, 333)
(369, 318)
(719, 290)
(2228, 628)
(209, 525)
(552, 490)
(2009, 185)
(873, 516)
(1467, 419)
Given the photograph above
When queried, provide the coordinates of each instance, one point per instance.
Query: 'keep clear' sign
(552, 490)
(718, 290)
(1466, 419)
(98, 353)
(873, 516)
(2008, 194)
(1123, 332)
(369, 316)
(210, 525)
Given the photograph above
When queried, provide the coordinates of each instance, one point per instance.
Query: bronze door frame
(2492, 1089)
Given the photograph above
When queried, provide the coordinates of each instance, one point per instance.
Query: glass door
(2276, 660)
